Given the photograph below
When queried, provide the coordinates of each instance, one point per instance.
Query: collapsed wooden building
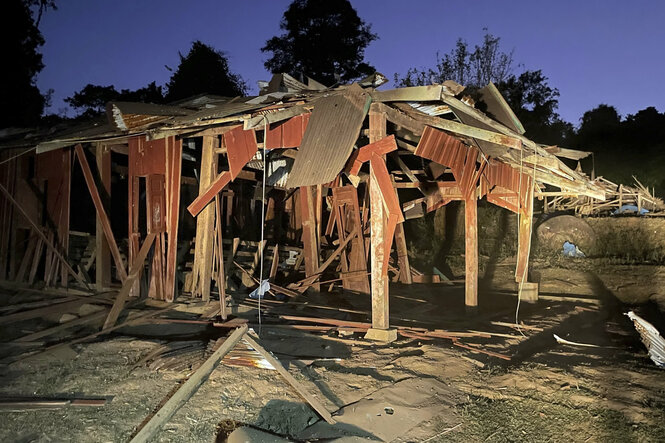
(303, 185)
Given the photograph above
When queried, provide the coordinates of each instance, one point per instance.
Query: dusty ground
(436, 391)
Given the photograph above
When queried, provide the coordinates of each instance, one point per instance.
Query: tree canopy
(22, 102)
(472, 68)
(204, 70)
(529, 95)
(92, 99)
(535, 104)
(324, 40)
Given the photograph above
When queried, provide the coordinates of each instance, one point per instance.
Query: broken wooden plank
(134, 272)
(101, 213)
(189, 388)
(313, 401)
(37, 229)
(62, 327)
(206, 196)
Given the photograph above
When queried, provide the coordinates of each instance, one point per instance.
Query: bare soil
(409, 390)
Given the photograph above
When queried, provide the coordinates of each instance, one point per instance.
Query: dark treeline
(326, 41)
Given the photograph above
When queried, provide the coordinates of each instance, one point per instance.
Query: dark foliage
(535, 104)
(204, 70)
(22, 102)
(634, 145)
(92, 99)
(324, 40)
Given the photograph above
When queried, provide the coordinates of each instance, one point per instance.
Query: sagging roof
(335, 124)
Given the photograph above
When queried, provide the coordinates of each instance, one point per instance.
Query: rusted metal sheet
(443, 194)
(240, 147)
(147, 157)
(442, 148)
(288, 134)
(446, 150)
(329, 138)
(500, 178)
(130, 115)
(156, 203)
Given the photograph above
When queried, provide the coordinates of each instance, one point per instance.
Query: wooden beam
(38, 231)
(206, 196)
(471, 252)
(189, 388)
(134, 272)
(102, 248)
(313, 401)
(101, 213)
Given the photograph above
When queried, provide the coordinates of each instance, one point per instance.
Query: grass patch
(532, 420)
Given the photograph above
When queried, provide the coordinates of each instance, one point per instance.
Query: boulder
(555, 231)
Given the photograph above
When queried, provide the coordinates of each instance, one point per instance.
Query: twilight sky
(594, 52)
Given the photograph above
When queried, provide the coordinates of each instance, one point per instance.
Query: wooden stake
(189, 388)
(313, 402)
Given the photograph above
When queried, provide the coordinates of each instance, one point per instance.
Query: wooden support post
(189, 388)
(471, 252)
(205, 223)
(379, 278)
(63, 222)
(525, 229)
(310, 243)
(103, 251)
(402, 255)
(101, 214)
(173, 176)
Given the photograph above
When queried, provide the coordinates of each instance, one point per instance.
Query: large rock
(555, 231)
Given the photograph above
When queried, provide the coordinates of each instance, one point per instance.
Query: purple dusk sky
(593, 51)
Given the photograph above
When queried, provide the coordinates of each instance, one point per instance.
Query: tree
(92, 99)
(528, 94)
(486, 63)
(22, 102)
(204, 70)
(535, 104)
(324, 40)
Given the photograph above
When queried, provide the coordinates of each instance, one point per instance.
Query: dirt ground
(407, 391)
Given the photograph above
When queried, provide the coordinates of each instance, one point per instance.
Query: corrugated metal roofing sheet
(331, 133)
